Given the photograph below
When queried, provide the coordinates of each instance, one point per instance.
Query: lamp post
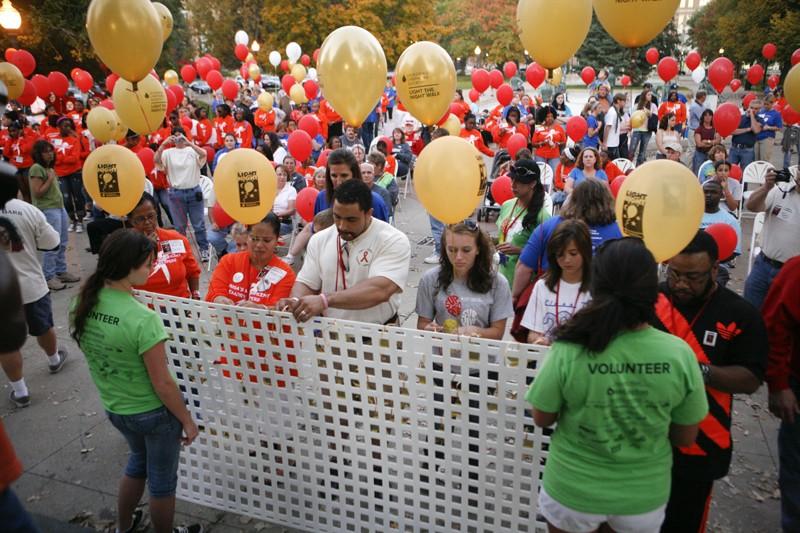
(721, 51)
(10, 18)
(255, 47)
(477, 56)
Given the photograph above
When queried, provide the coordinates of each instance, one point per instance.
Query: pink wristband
(324, 300)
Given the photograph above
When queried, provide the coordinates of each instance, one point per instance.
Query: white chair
(701, 172)
(209, 198)
(546, 175)
(754, 174)
(793, 171)
(625, 165)
(755, 248)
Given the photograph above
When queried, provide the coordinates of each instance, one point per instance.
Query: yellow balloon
(143, 109)
(352, 72)
(254, 71)
(250, 57)
(452, 125)
(791, 87)
(103, 124)
(426, 81)
(166, 19)
(245, 184)
(298, 72)
(126, 35)
(120, 131)
(171, 77)
(555, 76)
(298, 94)
(114, 178)
(552, 32)
(13, 78)
(265, 101)
(662, 203)
(634, 24)
(450, 179)
(638, 119)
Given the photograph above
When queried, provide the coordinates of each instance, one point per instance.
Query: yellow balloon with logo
(165, 17)
(634, 24)
(171, 77)
(662, 203)
(351, 67)
(638, 118)
(450, 179)
(298, 94)
(426, 81)
(127, 35)
(265, 101)
(298, 72)
(791, 87)
(245, 184)
(13, 78)
(114, 178)
(102, 123)
(552, 32)
(141, 109)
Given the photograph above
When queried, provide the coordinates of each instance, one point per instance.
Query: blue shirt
(695, 112)
(535, 251)
(748, 138)
(391, 95)
(379, 209)
(578, 175)
(772, 118)
(592, 141)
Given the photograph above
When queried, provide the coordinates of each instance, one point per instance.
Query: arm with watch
(734, 379)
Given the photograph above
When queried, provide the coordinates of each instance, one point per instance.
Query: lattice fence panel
(345, 426)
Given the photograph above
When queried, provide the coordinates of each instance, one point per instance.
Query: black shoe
(138, 514)
(193, 528)
(19, 401)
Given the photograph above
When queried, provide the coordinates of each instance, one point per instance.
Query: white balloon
(293, 52)
(274, 58)
(698, 74)
(241, 37)
(312, 73)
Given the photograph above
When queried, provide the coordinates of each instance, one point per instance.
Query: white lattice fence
(345, 426)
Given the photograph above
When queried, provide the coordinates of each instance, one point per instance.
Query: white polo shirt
(182, 166)
(780, 238)
(381, 250)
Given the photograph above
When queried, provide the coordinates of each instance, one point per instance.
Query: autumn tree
(490, 24)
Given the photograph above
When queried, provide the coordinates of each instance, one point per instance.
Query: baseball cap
(674, 145)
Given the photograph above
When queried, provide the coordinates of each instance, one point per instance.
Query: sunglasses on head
(468, 223)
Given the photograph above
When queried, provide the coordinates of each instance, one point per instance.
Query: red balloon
(304, 203)
(84, 81)
(111, 80)
(172, 103)
(652, 55)
(322, 160)
(241, 52)
(474, 95)
(315, 55)
(24, 61)
(243, 72)
(177, 92)
(736, 172)
(505, 94)
(625, 80)
(230, 89)
(305, 60)
(535, 74)
(287, 81)
(285, 65)
(147, 157)
(516, 143)
(188, 73)
(587, 75)
(204, 67)
(755, 74)
(9, 53)
(210, 153)
(616, 185)
(693, 60)
(726, 118)
(725, 237)
(186, 122)
(768, 51)
(108, 103)
(510, 69)
(501, 190)
(311, 88)
(720, 73)
(747, 99)
(796, 57)
(42, 85)
(480, 80)
(299, 145)
(735, 84)
(577, 128)
(73, 72)
(667, 68)
(309, 124)
(214, 79)
(455, 109)
(789, 115)
(495, 78)
(215, 63)
(59, 83)
(28, 95)
(773, 81)
(220, 217)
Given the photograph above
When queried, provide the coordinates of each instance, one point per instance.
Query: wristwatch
(706, 371)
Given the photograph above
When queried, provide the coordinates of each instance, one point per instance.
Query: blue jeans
(437, 228)
(189, 202)
(71, 187)
(757, 284)
(698, 159)
(741, 156)
(789, 471)
(13, 516)
(54, 263)
(154, 440)
(639, 142)
(161, 196)
(217, 239)
(553, 162)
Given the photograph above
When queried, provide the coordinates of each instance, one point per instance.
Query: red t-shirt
(554, 133)
(203, 132)
(10, 467)
(236, 278)
(265, 120)
(68, 155)
(18, 151)
(223, 126)
(612, 171)
(475, 138)
(244, 134)
(174, 265)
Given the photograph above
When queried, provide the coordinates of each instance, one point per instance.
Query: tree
(490, 24)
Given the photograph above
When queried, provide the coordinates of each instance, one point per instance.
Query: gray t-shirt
(468, 308)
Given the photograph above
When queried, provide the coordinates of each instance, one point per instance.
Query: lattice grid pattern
(345, 426)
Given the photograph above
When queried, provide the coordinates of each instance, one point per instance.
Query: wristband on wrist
(324, 300)
(196, 295)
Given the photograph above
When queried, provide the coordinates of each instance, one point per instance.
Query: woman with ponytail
(123, 342)
(623, 394)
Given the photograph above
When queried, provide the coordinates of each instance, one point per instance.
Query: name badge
(174, 246)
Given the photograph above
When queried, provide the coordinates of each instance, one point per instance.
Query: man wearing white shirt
(611, 132)
(355, 269)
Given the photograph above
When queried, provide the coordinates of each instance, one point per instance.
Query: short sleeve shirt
(547, 309)
(780, 238)
(182, 166)
(52, 198)
(611, 119)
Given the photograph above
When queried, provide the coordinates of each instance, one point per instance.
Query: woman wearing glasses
(175, 270)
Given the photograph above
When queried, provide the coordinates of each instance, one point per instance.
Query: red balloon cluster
(111, 81)
(535, 74)
(495, 78)
(720, 73)
(693, 60)
(616, 185)
(747, 99)
(587, 75)
(652, 55)
(241, 52)
(516, 143)
(220, 217)
(83, 80)
(177, 92)
(204, 67)
(28, 96)
(726, 239)
(735, 84)
(24, 61)
(188, 73)
(773, 81)
(287, 82)
(474, 95)
(795, 57)
(305, 201)
(230, 89)
(285, 65)
(480, 80)
(42, 86)
(577, 128)
(59, 83)
(311, 88)
(309, 124)
(501, 190)
(790, 115)
(305, 60)
(299, 145)
(505, 94)
(147, 157)
(214, 79)
(510, 69)
(667, 68)
(726, 119)
(768, 51)
(755, 74)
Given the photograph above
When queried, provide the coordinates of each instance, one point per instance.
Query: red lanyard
(340, 265)
(696, 317)
(574, 304)
(259, 277)
(507, 225)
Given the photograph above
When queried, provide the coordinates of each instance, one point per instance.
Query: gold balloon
(143, 109)
(171, 77)
(103, 124)
(126, 35)
(791, 87)
(662, 203)
(166, 19)
(265, 101)
(552, 32)
(245, 184)
(254, 71)
(352, 72)
(638, 119)
(426, 81)
(114, 178)
(298, 72)
(450, 179)
(121, 129)
(452, 125)
(634, 24)
(555, 76)
(13, 78)
(298, 94)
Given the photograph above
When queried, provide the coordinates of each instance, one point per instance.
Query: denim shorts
(39, 316)
(154, 440)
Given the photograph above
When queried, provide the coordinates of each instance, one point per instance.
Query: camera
(783, 176)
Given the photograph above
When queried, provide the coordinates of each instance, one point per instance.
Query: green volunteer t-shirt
(610, 452)
(118, 331)
(52, 198)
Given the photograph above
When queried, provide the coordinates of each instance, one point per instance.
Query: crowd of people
(640, 375)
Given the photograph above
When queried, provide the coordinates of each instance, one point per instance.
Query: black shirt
(731, 332)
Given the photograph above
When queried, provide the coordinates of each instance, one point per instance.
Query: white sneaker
(71, 227)
(432, 259)
(78, 227)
